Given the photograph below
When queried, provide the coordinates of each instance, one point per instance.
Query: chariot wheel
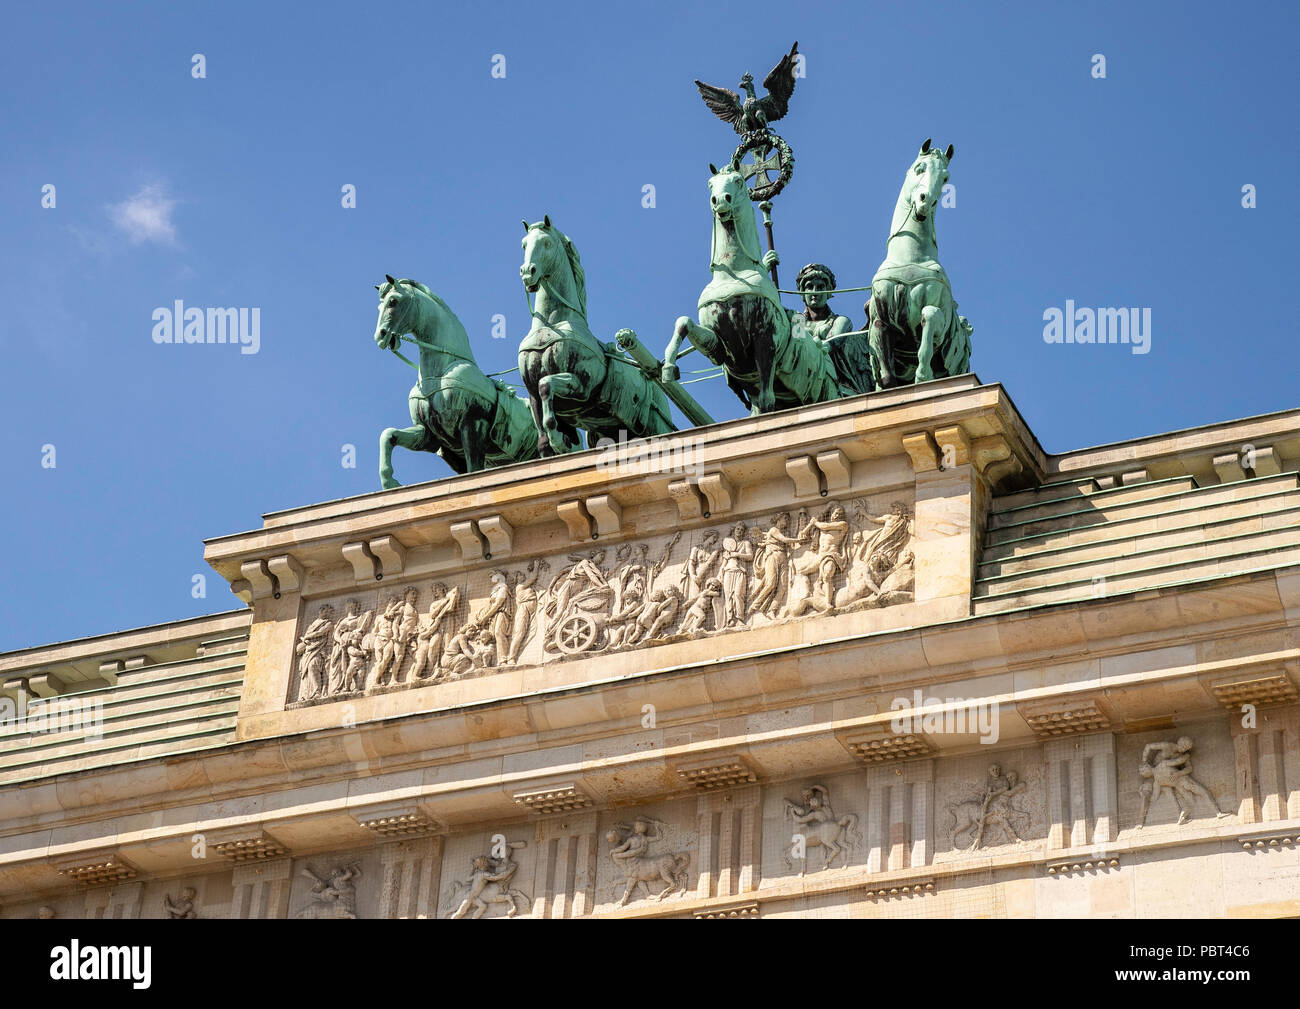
(768, 156)
(576, 633)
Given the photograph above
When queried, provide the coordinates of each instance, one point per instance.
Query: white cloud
(146, 216)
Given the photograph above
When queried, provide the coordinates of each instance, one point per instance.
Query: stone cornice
(730, 689)
(526, 495)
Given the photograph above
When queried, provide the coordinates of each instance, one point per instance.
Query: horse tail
(680, 862)
(849, 824)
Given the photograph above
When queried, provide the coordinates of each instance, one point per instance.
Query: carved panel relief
(487, 875)
(1169, 779)
(815, 826)
(647, 857)
(607, 599)
(989, 802)
(344, 884)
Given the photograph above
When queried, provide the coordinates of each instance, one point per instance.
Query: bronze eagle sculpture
(754, 113)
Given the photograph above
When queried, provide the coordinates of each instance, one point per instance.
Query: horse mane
(575, 265)
(424, 289)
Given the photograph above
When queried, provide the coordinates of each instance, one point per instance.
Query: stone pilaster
(565, 879)
(1267, 756)
(730, 838)
(919, 774)
(900, 814)
(1082, 794)
(412, 871)
(120, 901)
(262, 890)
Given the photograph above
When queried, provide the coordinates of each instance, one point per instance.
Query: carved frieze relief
(993, 816)
(1166, 767)
(333, 893)
(664, 873)
(488, 890)
(717, 580)
(817, 826)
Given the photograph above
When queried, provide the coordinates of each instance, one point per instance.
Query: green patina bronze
(575, 382)
(915, 332)
(469, 419)
(772, 357)
(742, 324)
(849, 352)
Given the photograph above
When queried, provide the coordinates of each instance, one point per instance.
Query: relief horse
(632, 855)
(574, 380)
(472, 421)
(819, 827)
(915, 333)
(743, 325)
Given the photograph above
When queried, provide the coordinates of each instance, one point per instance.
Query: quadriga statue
(915, 332)
(469, 419)
(575, 381)
(743, 325)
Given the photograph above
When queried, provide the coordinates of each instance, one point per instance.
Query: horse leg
(412, 438)
(703, 339)
(473, 441)
(765, 361)
(667, 878)
(544, 449)
(570, 434)
(931, 318)
(878, 341)
(565, 385)
(550, 432)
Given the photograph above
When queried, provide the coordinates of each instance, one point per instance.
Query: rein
(545, 285)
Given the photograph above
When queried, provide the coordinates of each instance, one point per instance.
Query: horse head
(547, 253)
(733, 215)
(540, 245)
(397, 312)
(925, 180)
(727, 192)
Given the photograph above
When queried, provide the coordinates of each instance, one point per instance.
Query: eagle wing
(722, 102)
(780, 86)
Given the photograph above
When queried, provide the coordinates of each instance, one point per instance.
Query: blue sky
(225, 191)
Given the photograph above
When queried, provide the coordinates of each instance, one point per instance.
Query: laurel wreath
(760, 142)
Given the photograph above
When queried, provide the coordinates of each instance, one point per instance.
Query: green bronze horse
(472, 421)
(574, 380)
(915, 332)
(743, 325)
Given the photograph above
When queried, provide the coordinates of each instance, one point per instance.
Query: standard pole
(628, 341)
(766, 207)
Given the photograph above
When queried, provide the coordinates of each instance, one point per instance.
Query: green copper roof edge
(1135, 553)
(1141, 571)
(1159, 497)
(5, 783)
(31, 747)
(1133, 518)
(142, 683)
(122, 716)
(1101, 493)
